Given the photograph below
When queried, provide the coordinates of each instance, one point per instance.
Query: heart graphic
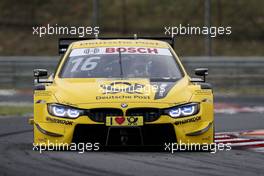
(119, 120)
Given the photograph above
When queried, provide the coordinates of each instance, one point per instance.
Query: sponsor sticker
(122, 50)
(64, 122)
(194, 119)
(124, 121)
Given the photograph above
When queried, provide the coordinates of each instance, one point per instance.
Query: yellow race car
(122, 92)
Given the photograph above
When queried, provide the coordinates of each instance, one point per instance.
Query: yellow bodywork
(84, 93)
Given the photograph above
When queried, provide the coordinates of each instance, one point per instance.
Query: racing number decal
(89, 63)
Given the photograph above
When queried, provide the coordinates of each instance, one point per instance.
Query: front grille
(160, 134)
(90, 133)
(99, 114)
(149, 114)
(147, 135)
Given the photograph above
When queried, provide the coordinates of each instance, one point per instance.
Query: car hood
(90, 90)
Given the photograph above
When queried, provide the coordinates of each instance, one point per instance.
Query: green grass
(15, 110)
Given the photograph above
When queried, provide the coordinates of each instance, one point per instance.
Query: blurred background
(235, 62)
(126, 17)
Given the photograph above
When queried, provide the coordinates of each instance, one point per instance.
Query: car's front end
(121, 93)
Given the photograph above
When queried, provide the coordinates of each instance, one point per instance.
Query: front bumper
(193, 129)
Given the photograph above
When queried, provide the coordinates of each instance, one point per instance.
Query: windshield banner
(122, 50)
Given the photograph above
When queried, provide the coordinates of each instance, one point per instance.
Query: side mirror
(40, 73)
(201, 72)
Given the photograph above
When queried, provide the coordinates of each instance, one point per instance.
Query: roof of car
(120, 43)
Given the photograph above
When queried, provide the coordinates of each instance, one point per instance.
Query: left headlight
(183, 110)
(64, 111)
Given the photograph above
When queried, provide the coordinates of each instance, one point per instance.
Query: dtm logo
(91, 51)
(125, 87)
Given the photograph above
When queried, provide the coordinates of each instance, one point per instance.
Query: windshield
(121, 62)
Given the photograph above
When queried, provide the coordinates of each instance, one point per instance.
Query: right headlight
(183, 110)
(64, 111)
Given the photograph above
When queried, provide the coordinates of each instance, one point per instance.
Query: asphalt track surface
(18, 158)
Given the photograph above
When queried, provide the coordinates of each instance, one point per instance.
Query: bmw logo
(124, 105)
